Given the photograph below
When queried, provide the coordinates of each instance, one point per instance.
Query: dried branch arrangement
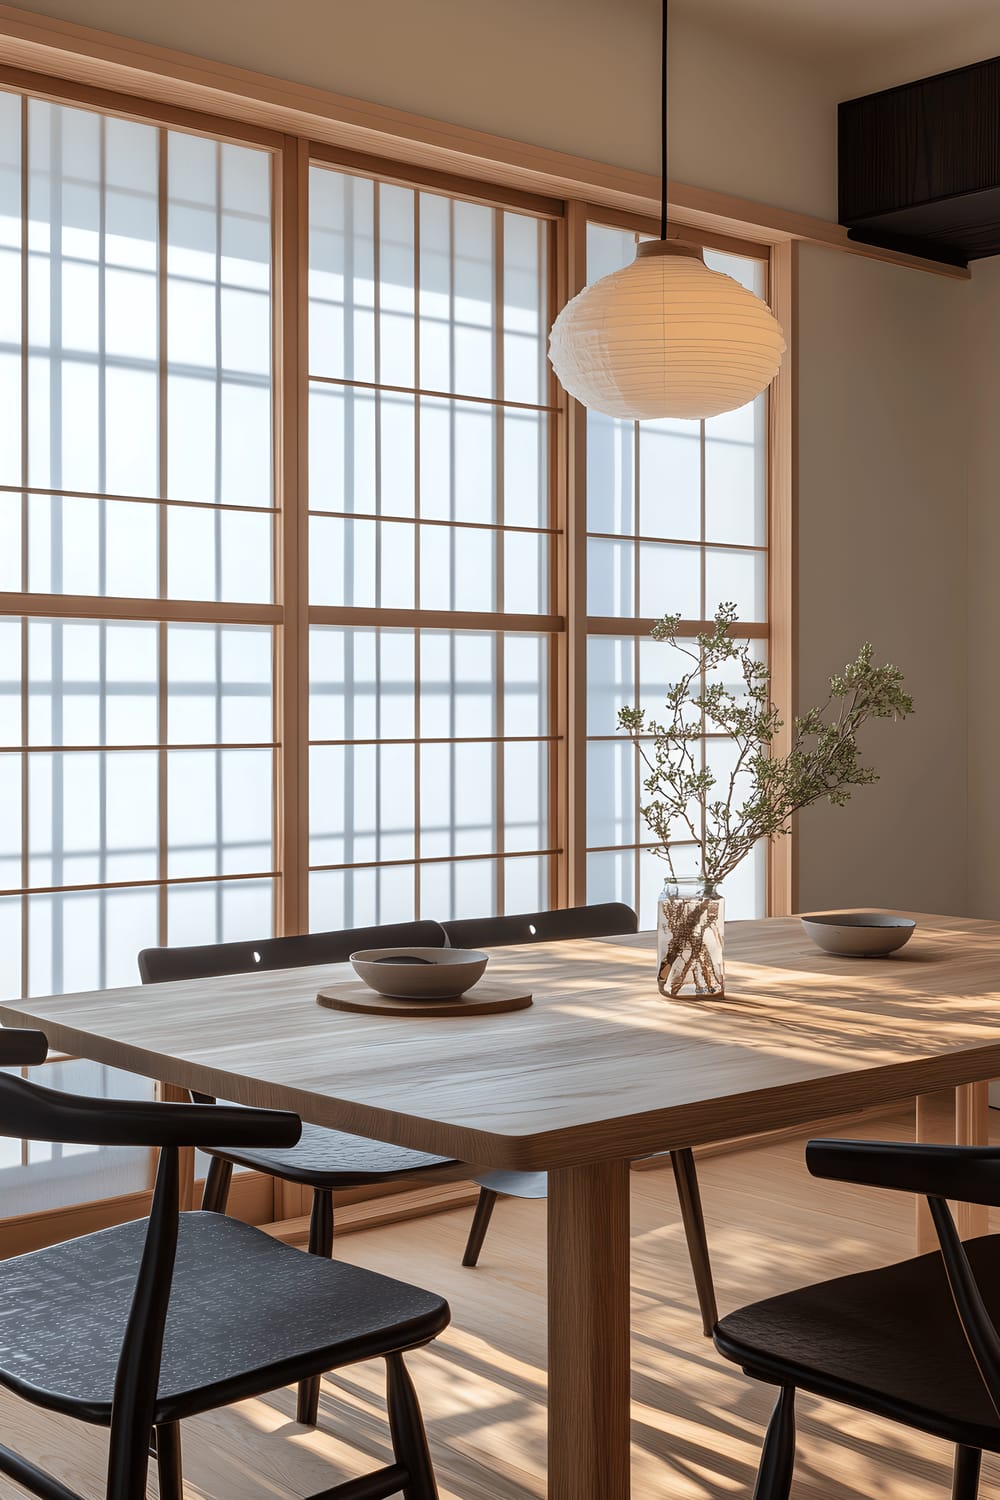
(724, 689)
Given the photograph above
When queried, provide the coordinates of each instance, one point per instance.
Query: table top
(600, 1068)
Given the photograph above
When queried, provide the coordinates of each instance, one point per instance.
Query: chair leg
(216, 1194)
(480, 1224)
(409, 1440)
(774, 1477)
(689, 1197)
(965, 1485)
(168, 1461)
(320, 1243)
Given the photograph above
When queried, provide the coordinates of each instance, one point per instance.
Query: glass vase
(690, 939)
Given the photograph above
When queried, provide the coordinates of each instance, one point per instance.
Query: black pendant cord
(663, 121)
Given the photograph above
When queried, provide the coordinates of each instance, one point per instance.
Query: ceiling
(832, 31)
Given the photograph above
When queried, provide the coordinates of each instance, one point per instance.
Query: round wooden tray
(484, 999)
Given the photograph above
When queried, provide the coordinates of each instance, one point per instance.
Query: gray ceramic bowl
(858, 934)
(420, 973)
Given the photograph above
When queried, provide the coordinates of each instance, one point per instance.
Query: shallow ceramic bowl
(420, 973)
(858, 934)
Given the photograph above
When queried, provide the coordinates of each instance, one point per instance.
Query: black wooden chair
(322, 1160)
(915, 1342)
(609, 919)
(144, 1324)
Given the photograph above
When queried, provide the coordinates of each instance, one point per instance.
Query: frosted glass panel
(457, 799)
(737, 576)
(457, 312)
(363, 564)
(611, 809)
(219, 684)
(457, 461)
(526, 675)
(146, 358)
(362, 803)
(457, 685)
(341, 275)
(611, 876)
(92, 299)
(677, 522)
(736, 476)
(219, 812)
(526, 884)
(524, 308)
(362, 684)
(452, 890)
(610, 681)
(610, 577)
(224, 912)
(525, 449)
(526, 795)
(670, 480)
(670, 581)
(92, 682)
(86, 940)
(361, 898)
(429, 474)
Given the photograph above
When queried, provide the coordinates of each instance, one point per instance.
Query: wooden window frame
(290, 614)
(779, 263)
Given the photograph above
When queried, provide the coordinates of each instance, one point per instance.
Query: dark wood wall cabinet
(920, 165)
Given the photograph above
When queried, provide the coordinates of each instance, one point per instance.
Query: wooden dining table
(601, 1070)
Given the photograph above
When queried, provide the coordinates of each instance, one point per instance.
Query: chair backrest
(609, 919)
(156, 965)
(969, 1174)
(41, 1114)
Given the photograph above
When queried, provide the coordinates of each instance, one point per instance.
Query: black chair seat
(247, 1314)
(887, 1341)
(333, 1159)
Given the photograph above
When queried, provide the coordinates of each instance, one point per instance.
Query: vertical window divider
(572, 506)
(24, 810)
(499, 762)
(417, 411)
(163, 365)
(636, 650)
(781, 292)
(290, 240)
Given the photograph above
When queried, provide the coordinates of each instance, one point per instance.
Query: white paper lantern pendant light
(666, 336)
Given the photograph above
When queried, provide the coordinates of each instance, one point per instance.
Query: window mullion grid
(217, 531)
(102, 536)
(452, 663)
(23, 634)
(55, 471)
(499, 764)
(377, 635)
(636, 510)
(417, 413)
(163, 355)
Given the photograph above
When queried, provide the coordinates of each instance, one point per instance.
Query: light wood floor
(697, 1421)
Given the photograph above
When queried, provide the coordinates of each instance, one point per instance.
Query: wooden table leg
(953, 1116)
(172, 1093)
(589, 1361)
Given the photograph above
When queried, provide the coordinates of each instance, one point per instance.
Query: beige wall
(577, 75)
(984, 592)
(882, 548)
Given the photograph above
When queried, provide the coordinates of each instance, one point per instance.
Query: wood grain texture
(600, 1068)
(588, 1314)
